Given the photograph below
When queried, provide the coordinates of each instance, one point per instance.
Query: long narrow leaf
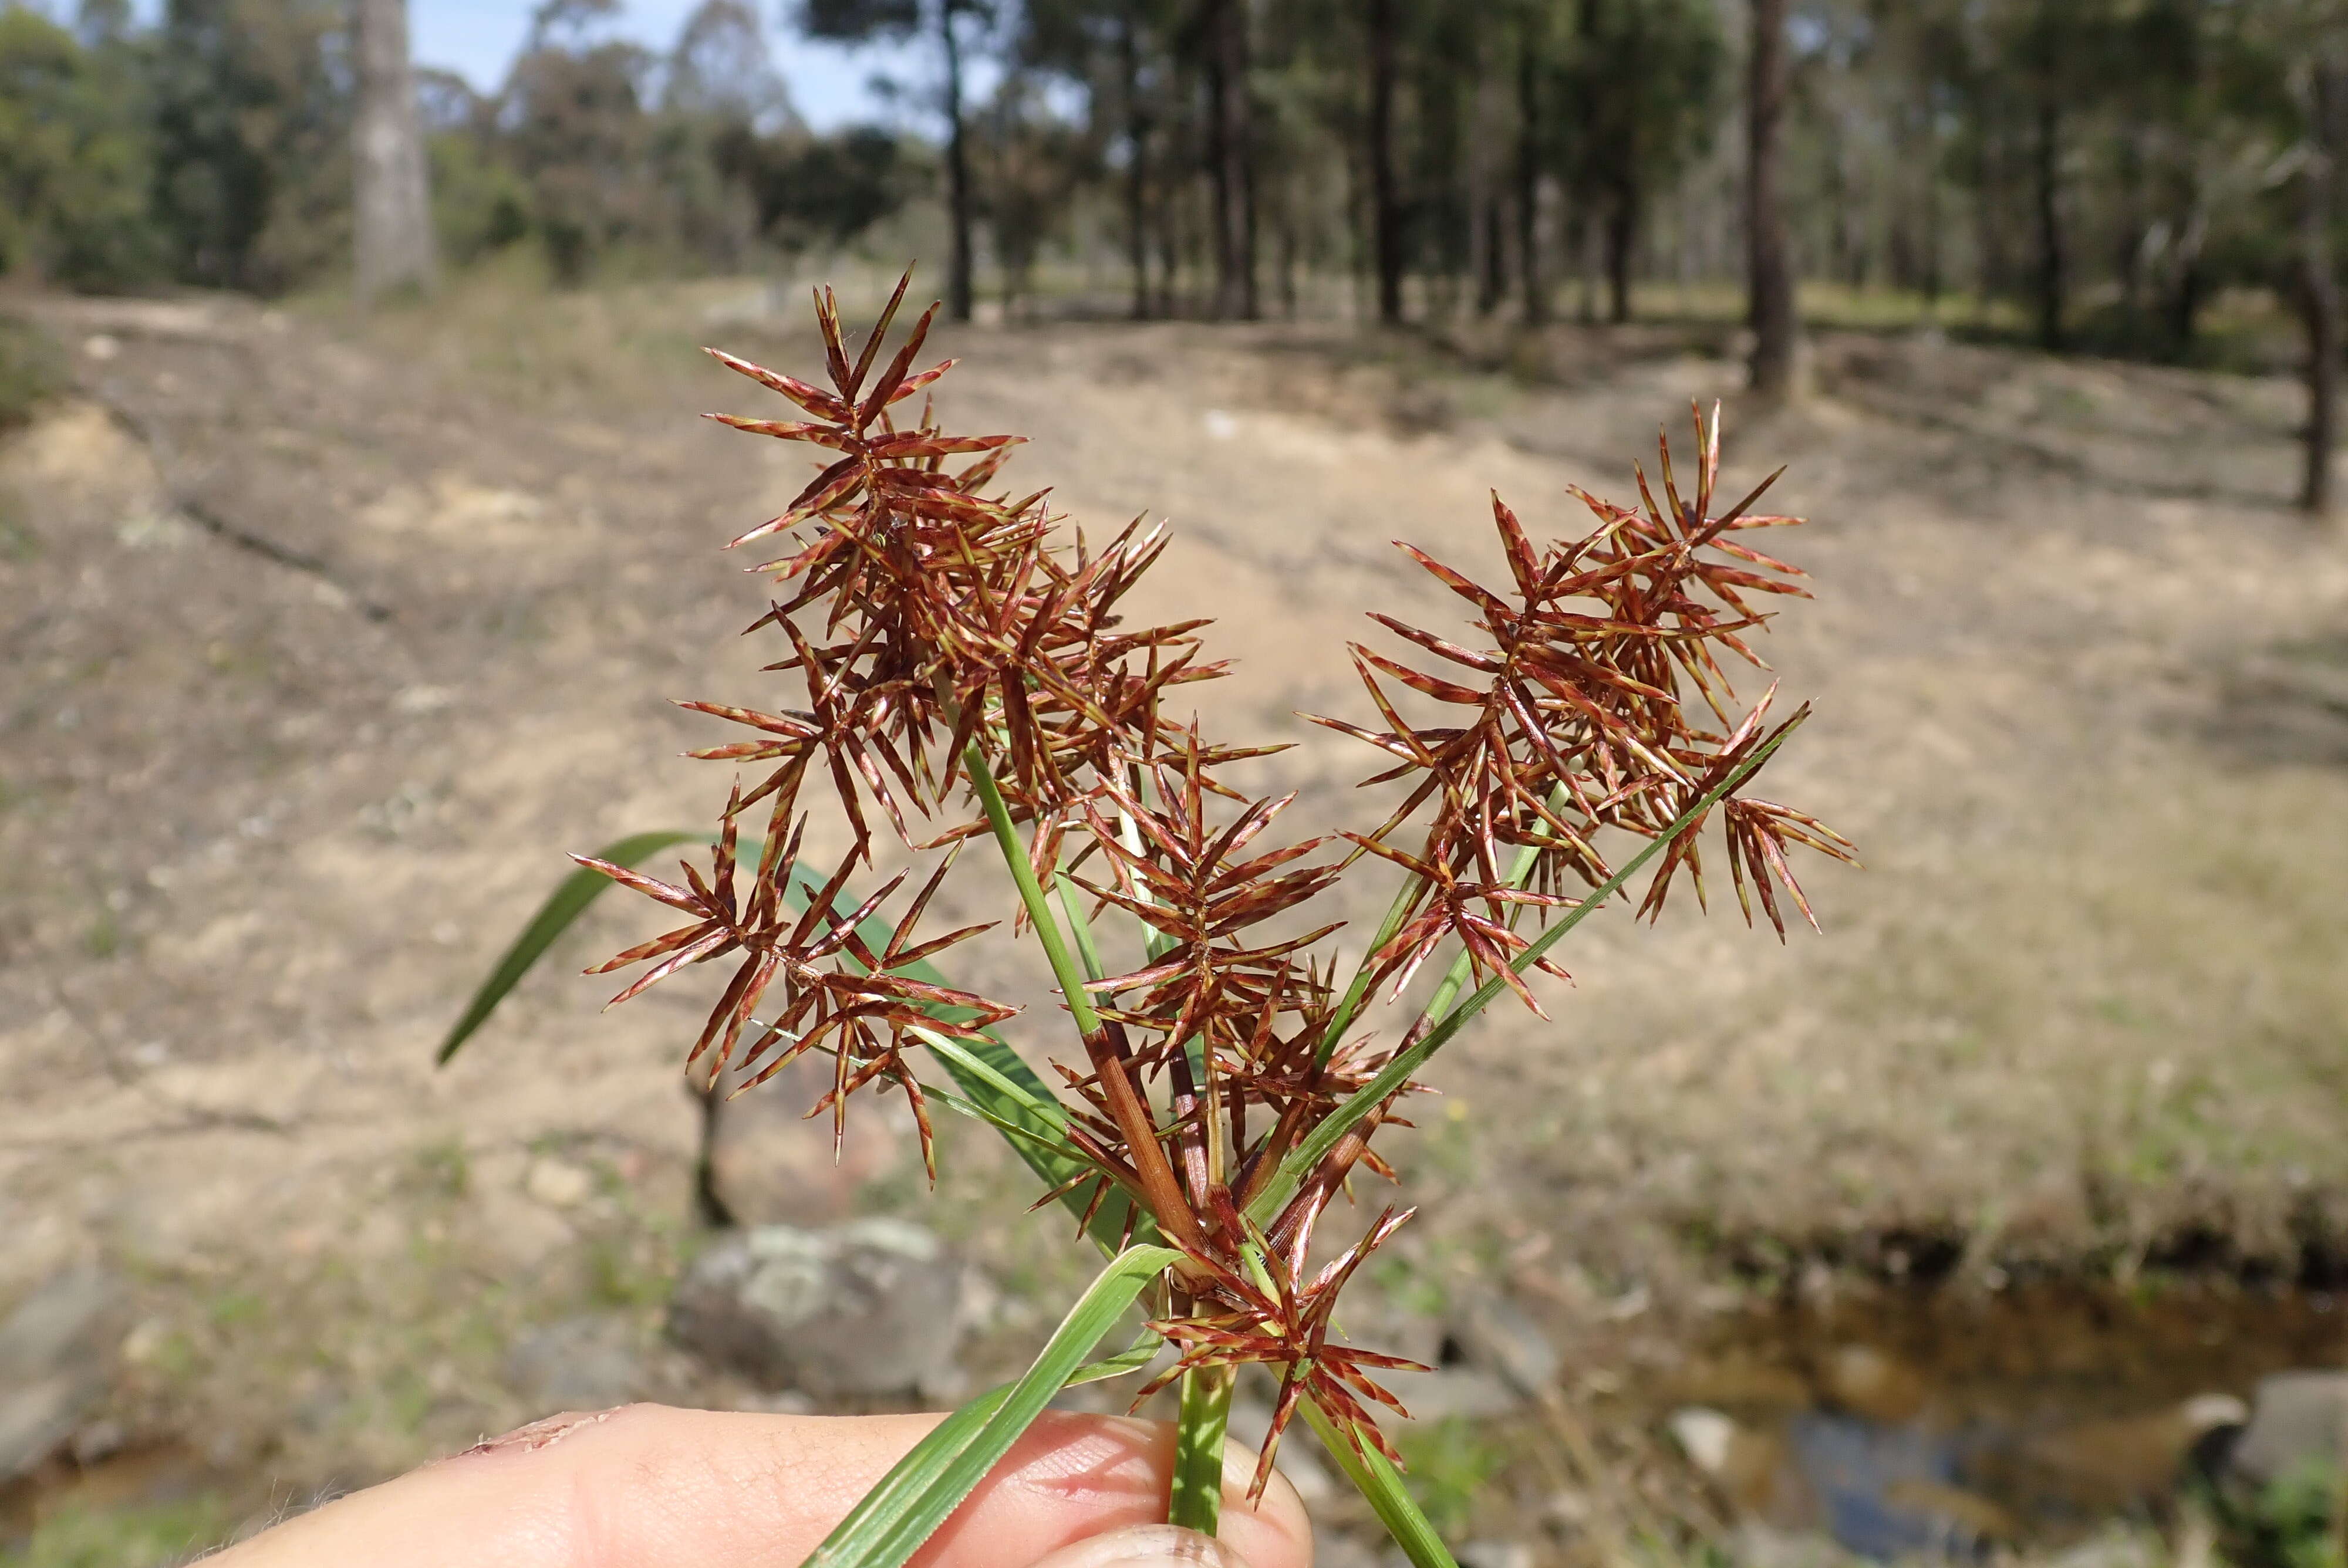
(568, 900)
(1132, 1359)
(991, 1074)
(1080, 926)
(1377, 1481)
(928, 1485)
(1314, 1145)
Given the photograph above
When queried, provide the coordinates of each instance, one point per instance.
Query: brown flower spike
(957, 662)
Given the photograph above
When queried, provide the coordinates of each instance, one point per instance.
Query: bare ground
(321, 641)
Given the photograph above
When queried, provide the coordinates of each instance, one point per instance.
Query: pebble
(558, 1184)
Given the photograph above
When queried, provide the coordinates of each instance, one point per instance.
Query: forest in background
(2097, 173)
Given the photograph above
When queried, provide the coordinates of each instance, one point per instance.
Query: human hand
(649, 1487)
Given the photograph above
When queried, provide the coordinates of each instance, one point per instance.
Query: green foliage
(144, 1537)
(252, 140)
(2290, 1523)
(1450, 1463)
(32, 368)
(73, 161)
(479, 204)
(814, 192)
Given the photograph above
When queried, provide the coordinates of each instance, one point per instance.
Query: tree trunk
(1136, 173)
(1229, 132)
(2319, 294)
(1769, 279)
(1528, 268)
(1492, 271)
(1621, 238)
(1385, 194)
(959, 262)
(391, 196)
(2047, 178)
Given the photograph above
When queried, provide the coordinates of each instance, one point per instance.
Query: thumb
(1146, 1546)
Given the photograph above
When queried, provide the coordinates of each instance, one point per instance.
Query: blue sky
(477, 38)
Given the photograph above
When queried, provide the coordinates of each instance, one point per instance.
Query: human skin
(645, 1486)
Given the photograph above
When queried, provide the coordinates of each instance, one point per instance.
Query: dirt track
(319, 645)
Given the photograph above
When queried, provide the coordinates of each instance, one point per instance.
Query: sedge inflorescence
(959, 668)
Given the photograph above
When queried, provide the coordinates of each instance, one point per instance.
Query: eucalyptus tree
(1120, 53)
(1643, 76)
(960, 27)
(1769, 276)
(391, 196)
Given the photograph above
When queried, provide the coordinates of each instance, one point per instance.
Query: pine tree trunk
(1230, 156)
(1136, 174)
(960, 289)
(391, 195)
(1770, 278)
(1385, 194)
(1621, 238)
(1528, 267)
(2318, 294)
(2047, 172)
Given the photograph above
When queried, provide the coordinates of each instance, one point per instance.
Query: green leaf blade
(1375, 1478)
(927, 1485)
(563, 907)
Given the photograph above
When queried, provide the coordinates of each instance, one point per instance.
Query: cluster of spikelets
(963, 668)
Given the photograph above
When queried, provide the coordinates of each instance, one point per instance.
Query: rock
(1705, 1436)
(1758, 1546)
(1250, 1423)
(56, 1356)
(585, 1363)
(1466, 1391)
(2295, 1426)
(1498, 1334)
(558, 1184)
(870, 1307)
(1753, 1469)
(1495, 1554)
(1333, 1548)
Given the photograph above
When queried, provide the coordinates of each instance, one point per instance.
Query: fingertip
(1148, 1546)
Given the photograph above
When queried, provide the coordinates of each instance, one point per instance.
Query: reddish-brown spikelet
(931, 625)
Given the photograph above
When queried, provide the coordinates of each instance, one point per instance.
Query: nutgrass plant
(955, 669)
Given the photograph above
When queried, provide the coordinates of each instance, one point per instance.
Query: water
(1943, 1422)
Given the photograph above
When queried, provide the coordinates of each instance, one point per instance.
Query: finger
(651, 1487)
(1147, 1546)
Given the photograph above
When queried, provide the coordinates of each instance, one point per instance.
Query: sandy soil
(321, 641)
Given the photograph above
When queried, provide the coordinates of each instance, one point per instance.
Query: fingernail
(1146, 1546)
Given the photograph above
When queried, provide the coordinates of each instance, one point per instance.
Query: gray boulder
(870, 1307)
(56, 1361)
(2296, 1419)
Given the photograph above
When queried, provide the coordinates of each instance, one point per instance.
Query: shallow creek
(1920, 1421)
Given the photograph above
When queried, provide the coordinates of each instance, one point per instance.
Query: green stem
(1359, 990)
(1464, 966)
(1031, 893)
(1391, 1078)
(1196, 1499)
(1375, 1480)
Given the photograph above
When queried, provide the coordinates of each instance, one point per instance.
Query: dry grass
(2081, 1011)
